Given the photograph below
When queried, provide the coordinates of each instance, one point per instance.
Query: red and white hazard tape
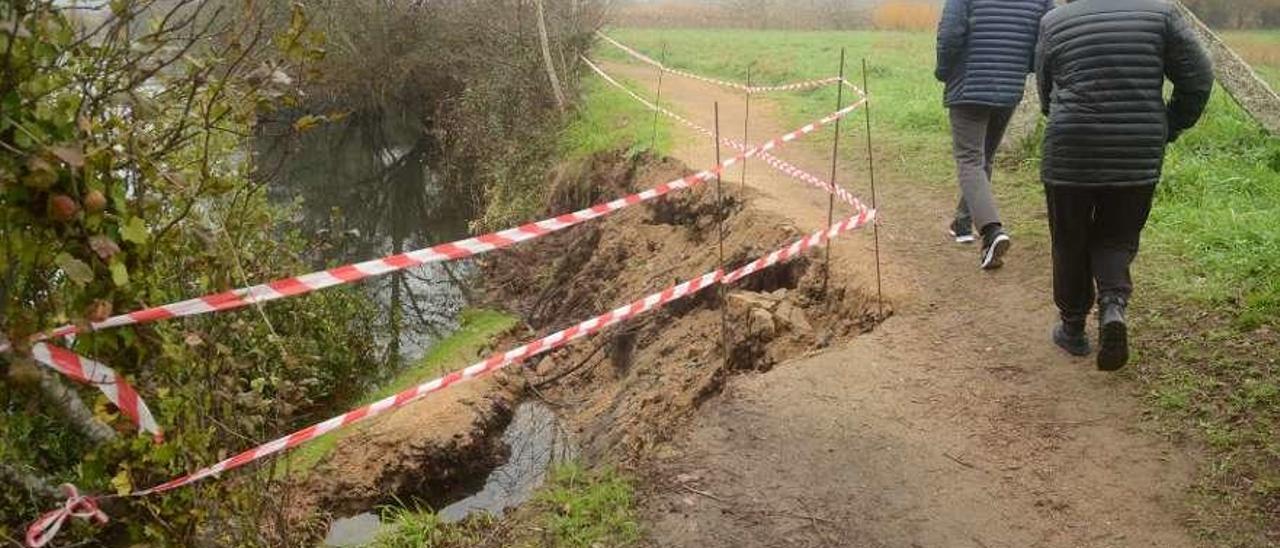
(769, 159)
(291, 287)
(43, 529)
(300, 285)
(752, 90)
(111, 383)
(76, 506)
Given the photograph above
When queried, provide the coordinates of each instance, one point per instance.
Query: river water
(363, 187)
(536, 442)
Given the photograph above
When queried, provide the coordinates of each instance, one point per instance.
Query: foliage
(124, 182)
(464, 83)
(583, 509)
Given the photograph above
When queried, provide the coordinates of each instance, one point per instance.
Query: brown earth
(433, 452)
(627, 390)
(658, 370)
(955, 423)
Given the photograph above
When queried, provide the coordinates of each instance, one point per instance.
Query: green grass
(1209, 278)
(607, 119)
(477, 330)
(577, 508)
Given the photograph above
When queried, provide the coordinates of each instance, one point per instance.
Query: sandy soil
(955, 423)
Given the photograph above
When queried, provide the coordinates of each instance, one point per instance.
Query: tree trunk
(28, 481)
(74, 409)
(1238, 78)
(546, 56)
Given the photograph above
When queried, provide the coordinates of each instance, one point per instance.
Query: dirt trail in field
(954, 424)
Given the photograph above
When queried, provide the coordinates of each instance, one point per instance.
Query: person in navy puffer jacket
(986, 49)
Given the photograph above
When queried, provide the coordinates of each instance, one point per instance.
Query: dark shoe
(1113, 336)
(1070, 336)
(994, 246)
(962, 232)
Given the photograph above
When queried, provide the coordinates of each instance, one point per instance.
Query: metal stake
(724, 303)
(657, 101)
(871, 170)
(835, 160)
(746, 129)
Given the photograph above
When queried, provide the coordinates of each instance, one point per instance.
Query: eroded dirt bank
(626, 391)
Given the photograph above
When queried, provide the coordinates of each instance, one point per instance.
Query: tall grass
(1261, 49)
(906, 15)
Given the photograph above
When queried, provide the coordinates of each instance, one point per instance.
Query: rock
(763, 324)
(824, 338)
(747, 300)
(793, 318)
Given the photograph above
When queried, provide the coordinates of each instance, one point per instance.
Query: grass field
(1261, 48)
(1210, 272)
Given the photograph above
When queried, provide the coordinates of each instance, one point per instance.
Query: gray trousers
(976, 132)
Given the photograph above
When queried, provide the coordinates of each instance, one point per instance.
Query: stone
(747, 300)
(793, 318)
(763, 324)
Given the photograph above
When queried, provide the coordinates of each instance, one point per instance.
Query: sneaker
(1070, 337)
(962, 232)
(994, 250)
(1113, 336)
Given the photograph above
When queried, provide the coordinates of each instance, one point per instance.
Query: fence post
(835, 159)
(871, 171)
(657, 101)
(720, 215)
(746, 129)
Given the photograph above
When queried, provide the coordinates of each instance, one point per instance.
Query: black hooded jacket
(1101, 67)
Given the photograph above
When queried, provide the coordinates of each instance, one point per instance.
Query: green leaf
(119, 273)
(135, 231)
(122, 483)
(79, 272)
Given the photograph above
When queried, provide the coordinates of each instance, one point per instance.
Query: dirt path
(954, 424)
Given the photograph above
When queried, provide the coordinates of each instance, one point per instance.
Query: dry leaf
(105, 247)
(72, 154)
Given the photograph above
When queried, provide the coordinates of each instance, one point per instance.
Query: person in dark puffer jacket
(1101, 66)
(986, 49)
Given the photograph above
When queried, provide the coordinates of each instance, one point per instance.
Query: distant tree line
(1237, 14)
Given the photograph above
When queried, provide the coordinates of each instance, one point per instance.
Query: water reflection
(365, 187)
(536, 441)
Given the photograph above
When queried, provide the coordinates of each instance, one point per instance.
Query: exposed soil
(623, 391)
(432, 452)
(955, 423)
(627, 390)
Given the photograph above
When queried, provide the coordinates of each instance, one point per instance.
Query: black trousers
(1095, 233)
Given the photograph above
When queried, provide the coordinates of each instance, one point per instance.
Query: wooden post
(835, 160)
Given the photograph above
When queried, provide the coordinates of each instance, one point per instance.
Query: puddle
(536, 443)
